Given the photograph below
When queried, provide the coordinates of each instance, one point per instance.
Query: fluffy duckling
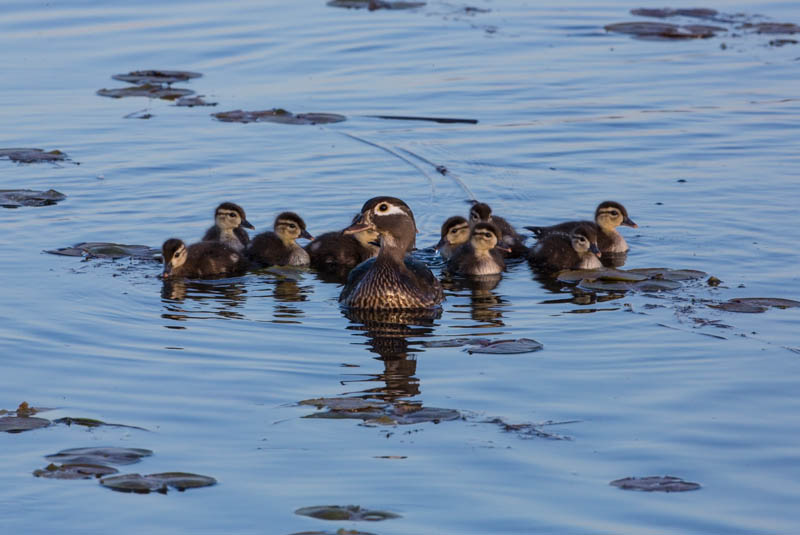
(278, 247)
(607, 217)
(229, 227)
(576, 249)
(482, 254)
(482, 213)
(391, 280)
(337, 252)
(455, 232)
(200, 260)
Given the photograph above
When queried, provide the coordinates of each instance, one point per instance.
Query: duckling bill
(279, 248)
(200, 260)
(229, 227)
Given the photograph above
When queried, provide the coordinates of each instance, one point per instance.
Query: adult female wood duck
(576, 249)
(229, 227)
(455, 233)
(391, 280)
(200, 260)
(482, 213)
(482, 254)
(279, 248)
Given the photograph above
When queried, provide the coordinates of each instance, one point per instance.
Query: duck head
(455, 231)
(174, 252)
(229, 216)
(480, 212)
(485, 237)
(584, 239)
(391, 219)
(289, 227)
(609, 215)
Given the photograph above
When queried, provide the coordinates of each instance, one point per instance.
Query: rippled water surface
(698, 138)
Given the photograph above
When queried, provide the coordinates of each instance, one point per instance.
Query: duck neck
(392, 250)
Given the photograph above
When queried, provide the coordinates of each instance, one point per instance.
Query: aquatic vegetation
(74, 471)
(107, 250)
(655, 484)
(640, 279)
(190, 102)
(372, 5)
(506, 347)
(100, 455)
(156, 76)
(90, 422)
(156, 482)
(15, 198)
(664, 30)
(754, 304)
(277, 115)
(33, 155)
(146, 90)
(376, 412)
(529, 430)
(18, 424)
(345, 512)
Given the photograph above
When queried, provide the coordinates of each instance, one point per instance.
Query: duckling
(279, 248)
(339, 252)
(200, 260)
(607, 217)
(576, 249)
(482, 254)
(229, 224)
(392, 280)
(455, 232)
(482, 212)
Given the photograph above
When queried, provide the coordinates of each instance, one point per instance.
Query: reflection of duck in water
(200, 260)
(278, 247)
(229, 227)
(482, 213)
(455, 232)
(338, 253)
(576, 249)
(481, 255)
(392, 280)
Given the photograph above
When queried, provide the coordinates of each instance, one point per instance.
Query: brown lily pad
(577, 275)
(772, 27)
(110, 455)
(18, 424)
(107, 250)
(191, 102)
(345, 404)
(74, 471)
(649, 285)
(663, 30)
(655, 484)
(664, 13)
(15, 198)
(372, 5)
(755, 304)
(146, 90)
(507, 347)
(277, 115)
(91, 422)
(352, 513)
(32, 155)
(156, 76)
(669, 274)
(157, 482)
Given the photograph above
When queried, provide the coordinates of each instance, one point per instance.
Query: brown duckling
(607, 217)
(392, 280)
(337, 252)
(482, 212)
(482, 254)
(576, 249)
(278, 247)
(229, 227)
(455, 232)
(200, 260)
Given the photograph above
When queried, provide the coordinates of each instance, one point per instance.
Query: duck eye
(292, 226)
(231, 215)
(614, 213)
(383, 207)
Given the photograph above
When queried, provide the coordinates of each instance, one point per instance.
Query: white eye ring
(388, 209)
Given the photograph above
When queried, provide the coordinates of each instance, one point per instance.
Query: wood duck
(576, 249)
(482, 213)
(392, 280)
(607, 217)
(482, 255)
(455, 232)
(337, 252)
(278, 247)
(229, 227)
(200, 260)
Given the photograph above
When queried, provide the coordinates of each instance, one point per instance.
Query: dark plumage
(576, 249)
(200, 260)
(482, 213)
(229, 227)
(337, 252)
(455, 232)
(278, 247)
(482, 254)
(392, 280)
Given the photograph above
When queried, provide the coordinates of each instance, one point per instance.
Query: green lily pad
(111, 455)
(156, 76)
(755, 304)
(352, 513)
(655, 484)
(32, 155)
(577, 275)
(157, 482)
(74, 471)
(146, 90)
(277, 115)
(107, 250)
(507, 347)
(18, 424)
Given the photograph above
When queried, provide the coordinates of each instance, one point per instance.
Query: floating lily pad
(157, 482)
(507, 347)
(663, 13)
(670, 274)
(107, 250)
(18, 424)
(90, 422)
(577, 275)
(191, 102)
(156, 76)
(772, 27)
(663, 30)
(352, 513)
(74, 471)
(32, 155)
(146, 90)
(649, 285)
(372, 5)
(345, 404)
(14, 198)
(655, 484)
(456, 342)
(277, 115)
(121, 456)
(419, 416)
(755, 304)
(378, 412)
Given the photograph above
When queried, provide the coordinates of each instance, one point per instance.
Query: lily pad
(670, 274)
(345, 404)
(157, 482)
(755, 304)
(649, 285)
(663, 30)
(772, 27)
(91, 422)
(337, 532)
(577, 275)
(191, 102)
(372, 5)
(456, 342)
(352, 513)
(111, 455)
(32, 155)
(74, 471)
(156, 76)
(663, 13)
(14, 198)
(18, 424)
(507, 347)
(655, 484)
(277, 115)
(146, 90)
(107, 250)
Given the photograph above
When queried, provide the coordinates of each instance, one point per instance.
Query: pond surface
(697, 137)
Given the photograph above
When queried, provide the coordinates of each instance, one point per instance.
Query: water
(568, 116)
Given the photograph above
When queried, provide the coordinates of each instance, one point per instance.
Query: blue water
(569, 115)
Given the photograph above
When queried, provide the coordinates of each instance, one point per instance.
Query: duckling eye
(614, 213)
(292, 226)
(383, 207)
(231, 215)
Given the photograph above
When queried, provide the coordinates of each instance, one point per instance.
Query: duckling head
(367, 238)
(174, 252)
(390, 218)
(584, 239)
(455, 231)
(229, 216)
(484, 237)
(480, 211)
(289, 227)
(609, 215)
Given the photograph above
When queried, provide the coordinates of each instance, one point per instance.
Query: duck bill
(306, 235)
(359, 225)
(503, 248)
(628, 222)
(167, 272)
(246, 224)
(593, 248)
